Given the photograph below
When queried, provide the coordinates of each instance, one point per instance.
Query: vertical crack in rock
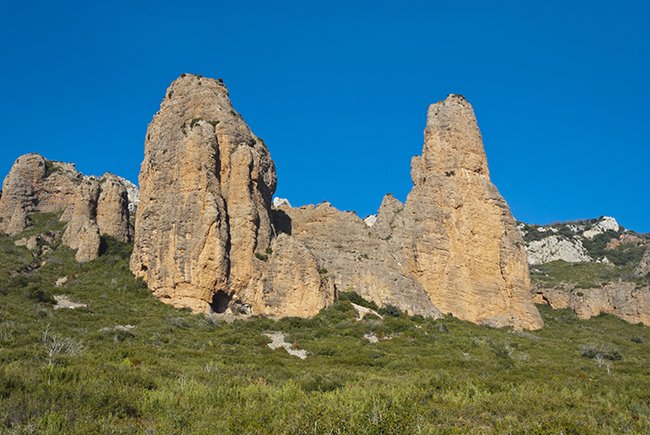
(208, 177)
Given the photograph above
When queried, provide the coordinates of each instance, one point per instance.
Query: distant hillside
(591, 266)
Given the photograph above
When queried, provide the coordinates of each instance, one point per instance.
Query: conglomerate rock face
(82, 232)
(456, 231)
(207, 238)
(91, 207)
(100, 208)
(622, 299)
(113, 208)
(355, 258)
(36, 185)
(206, 185)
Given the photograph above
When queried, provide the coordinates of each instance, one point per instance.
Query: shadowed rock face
(456, 231)
(206, 187)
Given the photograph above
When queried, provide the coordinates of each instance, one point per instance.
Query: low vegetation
(584, 275)
(128, 363)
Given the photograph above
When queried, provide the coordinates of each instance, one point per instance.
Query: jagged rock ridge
(206, 237)
(91, 207)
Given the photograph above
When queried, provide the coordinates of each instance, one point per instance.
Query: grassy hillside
(129, 364)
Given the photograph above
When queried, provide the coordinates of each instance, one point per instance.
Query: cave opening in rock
(220, 302)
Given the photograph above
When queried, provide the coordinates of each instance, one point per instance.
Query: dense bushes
(128, 363)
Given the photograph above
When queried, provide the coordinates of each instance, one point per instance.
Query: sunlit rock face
(457, 232)
(36, 185)
(203, 225)
(208, 238)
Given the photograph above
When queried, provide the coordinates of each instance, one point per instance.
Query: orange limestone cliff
(203, 233)
(207, 237)
(457, 232)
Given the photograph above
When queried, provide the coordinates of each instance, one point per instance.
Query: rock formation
(622, 299)
(556, 248)
(91, 208)
(452, 247)
(354, 258)
(82, 232)
(456, 231)
(113, 208)
(100, 208)
(611, 288)
(567, 240)
(35, 185)
(205, 237)
(206, 187)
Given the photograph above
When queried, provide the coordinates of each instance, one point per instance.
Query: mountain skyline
(339, 92)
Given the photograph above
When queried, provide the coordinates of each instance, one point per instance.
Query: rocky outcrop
(100, 208)
(36, 185)
(113, 208)
(82, 232)
(567, 241)
(643, 269)
(622, 299)
(556, 248)
(455, 230)
(452, 247)
(206, 187)
(353, 258)
(604, 224)
(205, 238)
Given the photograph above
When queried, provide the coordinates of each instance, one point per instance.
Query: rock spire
(456, 231)
(203, 227)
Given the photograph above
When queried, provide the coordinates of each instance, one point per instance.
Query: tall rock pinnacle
(203, 224)
(456, 230)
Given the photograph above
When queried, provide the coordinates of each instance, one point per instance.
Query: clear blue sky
(339, 91)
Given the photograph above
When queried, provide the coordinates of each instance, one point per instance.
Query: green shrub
(390, 310)
(38, 294)
(50, 168)
(261, 256)
(355, 298)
